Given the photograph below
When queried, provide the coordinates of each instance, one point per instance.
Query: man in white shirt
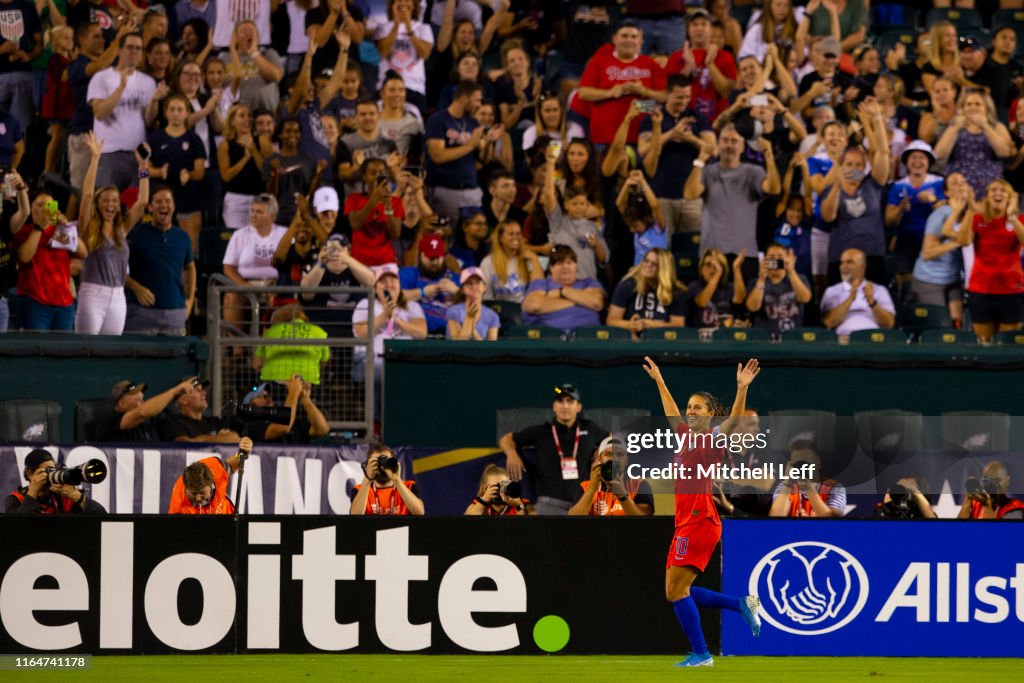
(124, 102)
(855, 303)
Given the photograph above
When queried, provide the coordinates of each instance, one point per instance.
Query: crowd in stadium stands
(640, 164)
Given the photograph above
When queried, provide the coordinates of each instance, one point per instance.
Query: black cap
(125, 386)
(204, 383)
(699, 13)
(36, 457)
(563, 390)
(970, 43)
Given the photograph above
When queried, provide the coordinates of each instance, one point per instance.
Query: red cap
(433, 246)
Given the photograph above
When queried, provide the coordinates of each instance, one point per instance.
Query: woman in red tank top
(996, 283)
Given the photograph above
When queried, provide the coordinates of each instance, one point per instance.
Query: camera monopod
(243, 455)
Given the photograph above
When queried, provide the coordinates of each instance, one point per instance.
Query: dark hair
(364, 101)
(156, 42)
(82, 29)
(200, 28)
(466, 89)
(391, 75)
(281, 124)
(500, 175)
(562, 252)
(125, 37)
(628, 23)
(589, 174)
(715, 407)
(197, 476)
(571, 192)
(378, 447)
(677, 81)
(256, 113)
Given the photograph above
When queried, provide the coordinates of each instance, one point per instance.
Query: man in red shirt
(614, 78)
(712, 71)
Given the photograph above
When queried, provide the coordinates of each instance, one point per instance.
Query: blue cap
(256, 392)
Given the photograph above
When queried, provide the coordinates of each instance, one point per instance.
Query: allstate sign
(876, 587)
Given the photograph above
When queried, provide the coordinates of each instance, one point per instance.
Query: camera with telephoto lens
(610, 471)
(976, 485)
(509, 489)
(387, 462)
(901, 505)
(92, 472)
(281, 415)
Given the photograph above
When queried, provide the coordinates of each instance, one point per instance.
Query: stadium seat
(1010, 338)
(742, 14)
(809, 335)
(671, 334)
(213, 244)
(976, 431)
(915, 318)
(534, 332)
(88, 413)
(686, 268)
(894, 16)
(888, 38)
(741, 334)
(1013, 18)
(878, 337)
(509, 312)
(29, 419)
(801, 424)
(601, 333)
(685, 243)
(892, 430)
(948, 337)
(961, 18)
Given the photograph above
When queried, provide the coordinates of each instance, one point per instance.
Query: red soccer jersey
(694, 501)
(371, 245)
(46, 279)
(997, 268)
(706, 99)
(604, 71)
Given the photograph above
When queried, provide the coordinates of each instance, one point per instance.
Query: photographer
(987, 497)
(499, 496)
(906, 501)
(133, 418)
(41, 497)
(810, 497)
(605, 493)
(383, 492)
(267, 423)
(202, 489)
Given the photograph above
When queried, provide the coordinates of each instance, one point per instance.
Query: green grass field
(417, 668)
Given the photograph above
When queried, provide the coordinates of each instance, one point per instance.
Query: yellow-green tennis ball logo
(551, 633)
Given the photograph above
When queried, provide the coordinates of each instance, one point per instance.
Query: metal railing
(236, 349)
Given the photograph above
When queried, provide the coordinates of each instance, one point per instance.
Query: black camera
(610, 471)
(510, 489)
(381, 179)
(93, 472)
(976, 485)
(387, 462)
(901, 505)
(773, 263)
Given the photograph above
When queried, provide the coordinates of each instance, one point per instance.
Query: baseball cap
(830, 46)
(204, 383)
(326, 199)
(36, 457)
(468, 273)
(256, 392)
(699, 13)
(340, 237)
(611, 442)
(386, 269)
(126, 386)
(433, 246)
(918, 146)
(563, 390)
(970, 43)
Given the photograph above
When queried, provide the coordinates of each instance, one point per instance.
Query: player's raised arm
(667, 402)
(745, 375)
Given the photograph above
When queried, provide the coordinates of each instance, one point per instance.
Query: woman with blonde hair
(943, 56)
(240, 162)
(510, 267)
(996, 284)
(550, 122)
(103, 229)
(976, 145)
(498, 495)
(649, 296)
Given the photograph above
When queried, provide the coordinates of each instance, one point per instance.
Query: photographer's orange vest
(220, 505)
(606, 503)
(800, 506)
(385, 501)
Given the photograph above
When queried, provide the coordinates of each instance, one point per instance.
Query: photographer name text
(721, 472)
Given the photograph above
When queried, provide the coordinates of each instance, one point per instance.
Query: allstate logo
(809, 588)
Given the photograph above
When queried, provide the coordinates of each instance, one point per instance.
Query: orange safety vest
(800, 506)
(386, 501)
(1010, 505)
(509, 511)
(220, 505)
(606, 503)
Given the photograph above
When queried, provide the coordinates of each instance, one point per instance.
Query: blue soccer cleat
(748, 608)
(694, 659)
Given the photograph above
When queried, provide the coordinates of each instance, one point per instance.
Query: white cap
(611, 442)
(326, 199)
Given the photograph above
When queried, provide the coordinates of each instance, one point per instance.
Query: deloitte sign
(301, 584)
(922, 588)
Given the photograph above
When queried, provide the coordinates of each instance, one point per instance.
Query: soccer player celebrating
(698, 527)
